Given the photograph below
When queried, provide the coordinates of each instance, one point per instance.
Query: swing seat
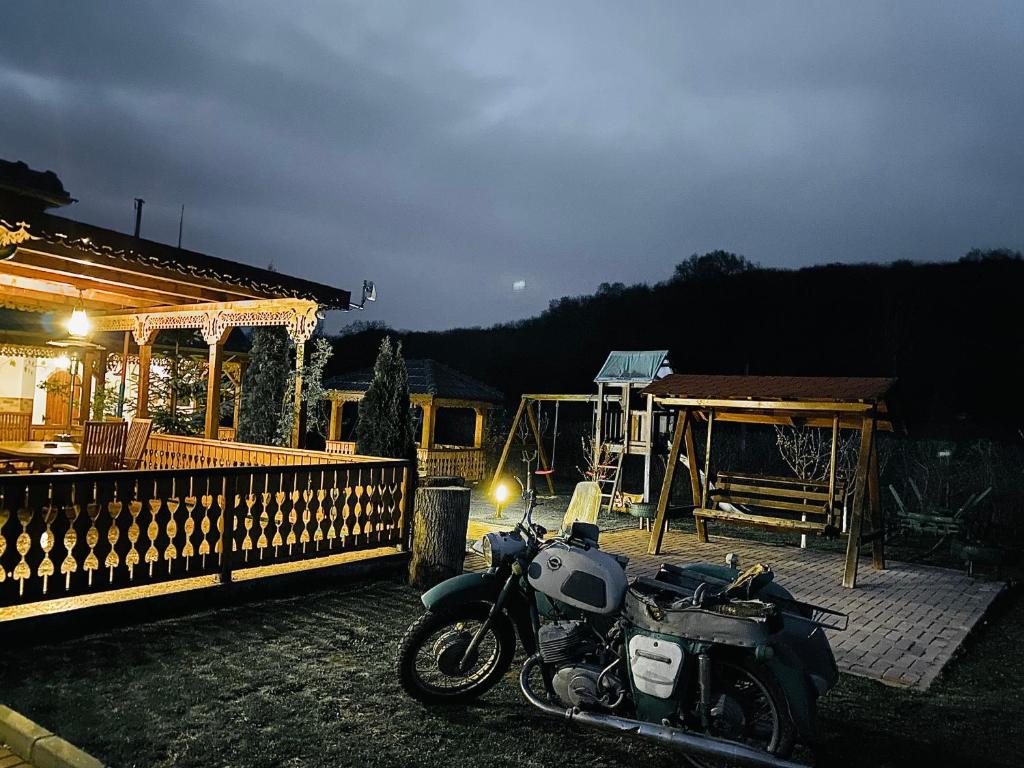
(783, 504)
(544, 472)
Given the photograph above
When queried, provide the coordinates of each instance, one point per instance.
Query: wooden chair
(135, 446)
(15, 426)
(102, 446)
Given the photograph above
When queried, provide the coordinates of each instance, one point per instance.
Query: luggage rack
(685, 580)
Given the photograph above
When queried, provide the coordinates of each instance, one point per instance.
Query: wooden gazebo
(139, 287)
(433, 387)
(830, 403)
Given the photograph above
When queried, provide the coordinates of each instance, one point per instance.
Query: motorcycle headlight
(500, 548)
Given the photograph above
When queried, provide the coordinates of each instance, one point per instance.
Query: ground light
(501, 499)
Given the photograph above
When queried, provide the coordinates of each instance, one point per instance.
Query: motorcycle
(725, 666)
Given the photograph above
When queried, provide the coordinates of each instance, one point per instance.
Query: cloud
(446, 149)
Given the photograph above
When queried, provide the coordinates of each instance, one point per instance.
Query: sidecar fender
(801, 694)
(482, 588)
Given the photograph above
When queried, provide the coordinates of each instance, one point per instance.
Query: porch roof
(426, 378)
(50, 262)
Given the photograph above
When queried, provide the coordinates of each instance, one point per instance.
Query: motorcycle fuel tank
(584, 578)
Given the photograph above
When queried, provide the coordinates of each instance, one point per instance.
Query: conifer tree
(385, 418)
(263, 386)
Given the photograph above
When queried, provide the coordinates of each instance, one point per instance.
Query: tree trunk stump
(439, 535)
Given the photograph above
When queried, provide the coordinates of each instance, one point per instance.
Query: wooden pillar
(100, 387)
(334, 428)
(598, 418)
(215, 370)
(691, 462)
(142, 401)
(647, 437)
(300, 361)
(88, 366)
(479, 428)
(867, 434)
(658, 529)
(427, 435)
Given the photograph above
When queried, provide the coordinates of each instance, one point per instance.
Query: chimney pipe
(139, 202)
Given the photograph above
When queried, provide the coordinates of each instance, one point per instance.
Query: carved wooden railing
(453, 461)
(108, 536)
(177, 452)
(341, 447)
(442, 460)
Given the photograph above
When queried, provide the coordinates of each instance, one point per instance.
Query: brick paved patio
(906, 623)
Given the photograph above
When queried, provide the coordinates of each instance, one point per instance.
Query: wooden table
(42, 454)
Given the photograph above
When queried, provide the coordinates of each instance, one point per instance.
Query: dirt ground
(306, 680)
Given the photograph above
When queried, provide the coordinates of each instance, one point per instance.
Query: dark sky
(451, 150)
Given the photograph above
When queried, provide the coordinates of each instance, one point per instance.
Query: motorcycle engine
(572, 648)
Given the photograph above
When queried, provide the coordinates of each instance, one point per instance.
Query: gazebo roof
(426, 377)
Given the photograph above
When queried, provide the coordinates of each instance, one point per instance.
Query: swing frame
(836, 403)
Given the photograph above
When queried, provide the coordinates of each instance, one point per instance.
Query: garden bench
(772, 503)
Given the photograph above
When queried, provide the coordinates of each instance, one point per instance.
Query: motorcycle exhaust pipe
(702, 746)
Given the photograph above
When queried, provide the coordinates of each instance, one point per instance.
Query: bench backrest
(781, 494)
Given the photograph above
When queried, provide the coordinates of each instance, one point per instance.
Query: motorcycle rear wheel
(755, 712)
(430, 652)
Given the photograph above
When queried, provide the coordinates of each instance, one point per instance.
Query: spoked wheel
(749, 708)
(432, 663)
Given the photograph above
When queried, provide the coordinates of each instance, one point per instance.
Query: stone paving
(906, 622)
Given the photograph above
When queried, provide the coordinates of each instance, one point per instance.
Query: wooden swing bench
(783, 504)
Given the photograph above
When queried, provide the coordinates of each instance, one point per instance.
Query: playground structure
(624, 423)
(642, 409)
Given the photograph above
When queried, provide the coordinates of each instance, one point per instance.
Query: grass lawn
(307, 680)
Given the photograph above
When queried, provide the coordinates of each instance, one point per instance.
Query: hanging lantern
(79, 324)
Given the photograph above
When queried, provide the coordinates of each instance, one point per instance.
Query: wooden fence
(107, 536)
(441, 460)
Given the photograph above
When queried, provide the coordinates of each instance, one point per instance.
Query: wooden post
(100, 386)
(647, 436)
(877, 523)
(124, 375)
(427, 435)
(540, 447)
(334, 429)
(88, 366)
(691, 462)
(627, 416)
(300, 361)
(142, 396)
(867, 434)
(479, 428)
(658, 530)
(832, 470)
(508, 443)
(598, 423)
(439, 535)
(215, 370)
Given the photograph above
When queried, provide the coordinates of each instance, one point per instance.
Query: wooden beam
(691, 458)
(508, 442)
(35, 295)
(130, 296)
(213, 380)
(88, 370)
(427, 433)
(857, 516)
(334, 428)
(540, 447)
(658, 527)
(769, 405)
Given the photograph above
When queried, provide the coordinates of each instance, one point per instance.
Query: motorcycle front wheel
(432, 663)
